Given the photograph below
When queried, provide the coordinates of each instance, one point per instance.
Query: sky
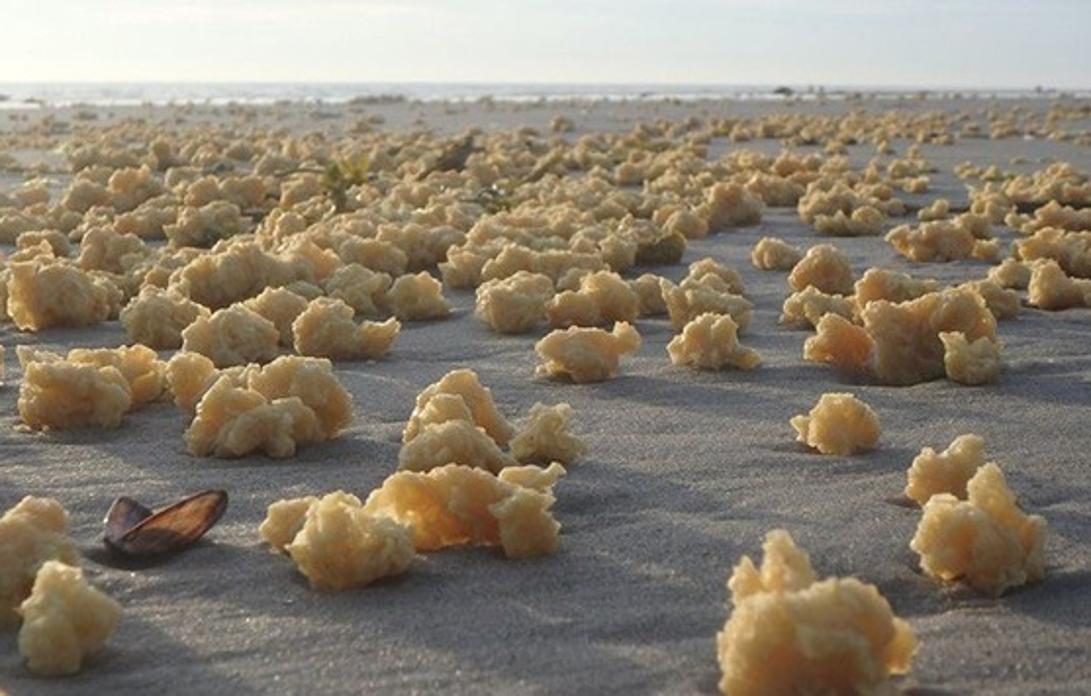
(905, 43)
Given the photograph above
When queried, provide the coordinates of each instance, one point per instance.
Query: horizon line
(1045, 87)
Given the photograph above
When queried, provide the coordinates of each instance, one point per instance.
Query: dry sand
(685, 472)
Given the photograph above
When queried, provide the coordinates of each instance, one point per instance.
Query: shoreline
(56, 95)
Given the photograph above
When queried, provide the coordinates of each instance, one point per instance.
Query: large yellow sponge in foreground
(64, 621)
(790, 634)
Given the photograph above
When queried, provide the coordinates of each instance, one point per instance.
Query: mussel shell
(135, 530)
(124, 514)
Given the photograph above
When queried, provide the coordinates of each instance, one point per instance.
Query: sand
(685, 472)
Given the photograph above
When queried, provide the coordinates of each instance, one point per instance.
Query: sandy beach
(685, 472)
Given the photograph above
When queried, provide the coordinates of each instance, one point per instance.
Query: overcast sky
(927, 43)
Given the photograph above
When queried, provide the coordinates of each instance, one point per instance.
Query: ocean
(33, 95)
